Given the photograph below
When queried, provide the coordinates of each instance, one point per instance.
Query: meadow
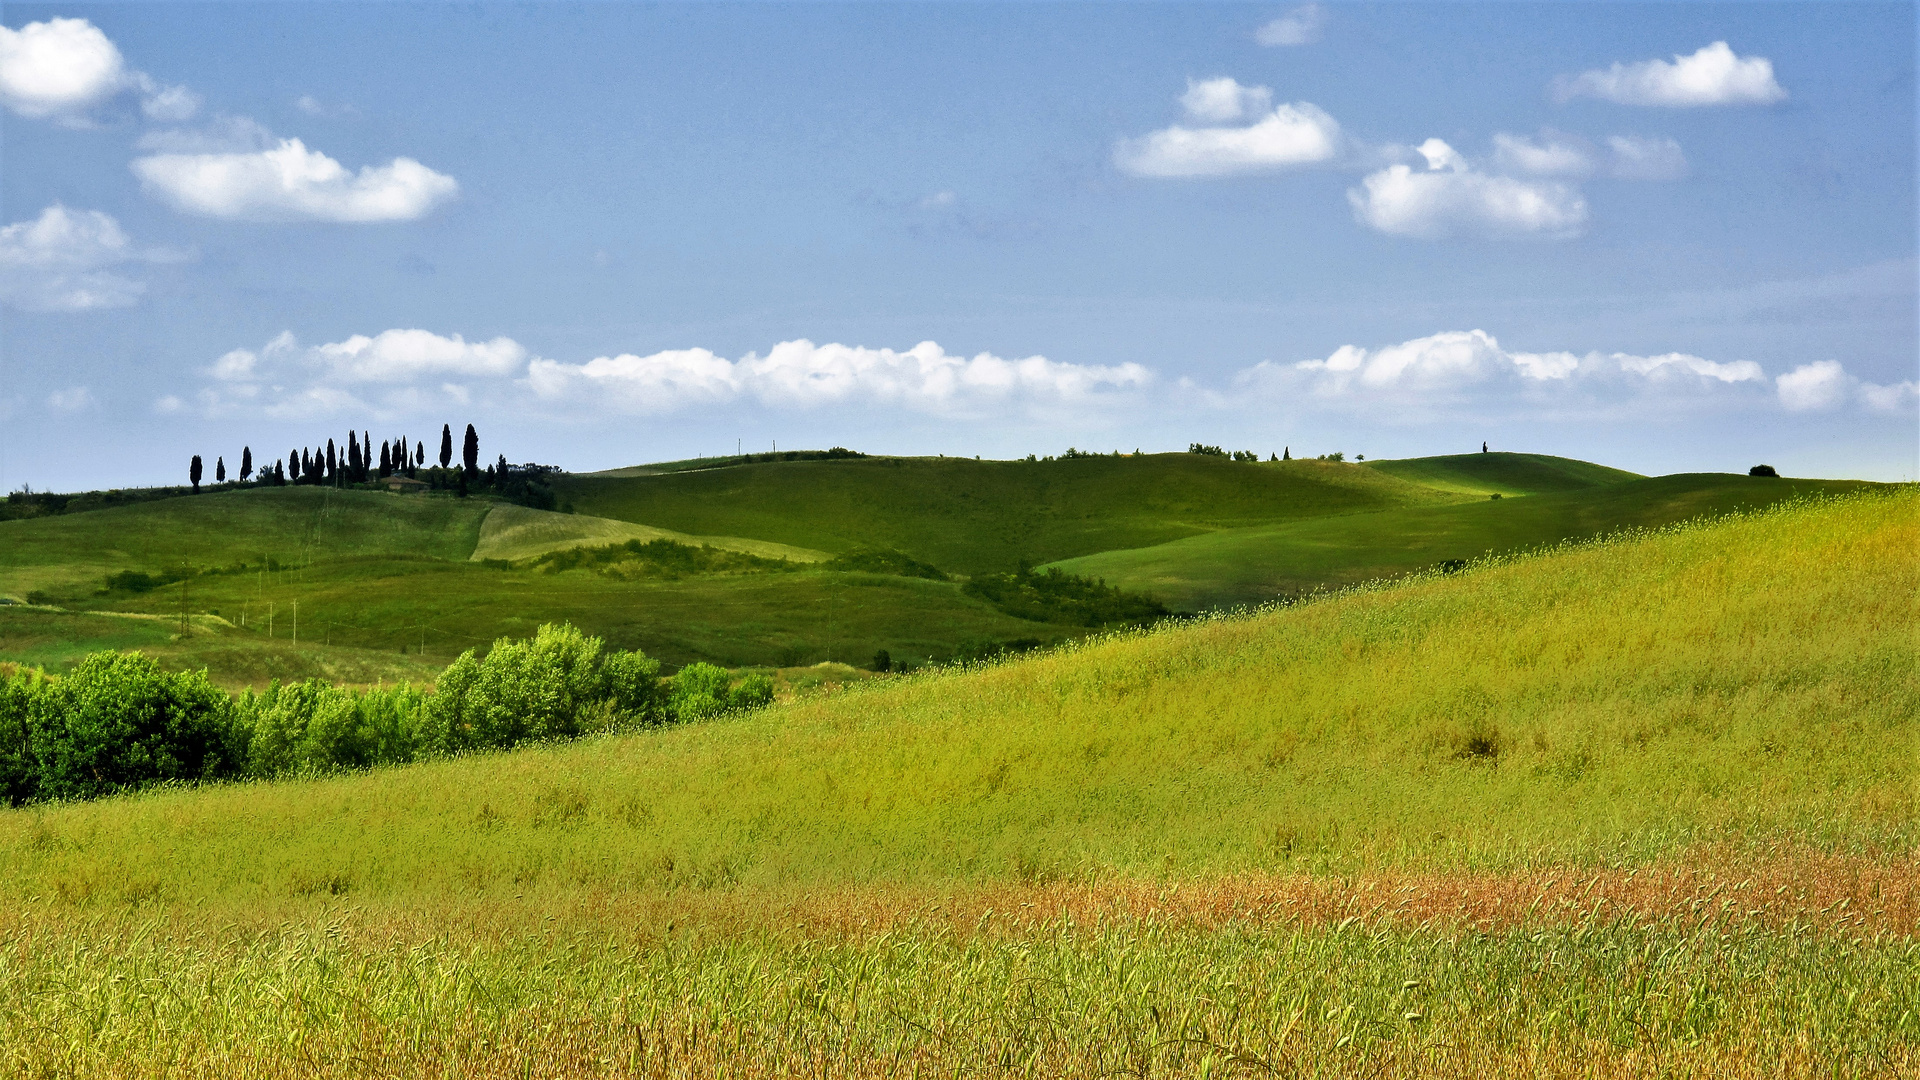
(1642, 806)
(389, 587)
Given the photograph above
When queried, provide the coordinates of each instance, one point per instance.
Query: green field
(390, 587)
(1640, 807)
(975, 516)
(1257, 565)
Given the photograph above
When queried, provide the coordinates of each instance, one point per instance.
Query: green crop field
(1645, 807)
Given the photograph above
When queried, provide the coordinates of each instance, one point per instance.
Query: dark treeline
(120, 723)
(355, 461)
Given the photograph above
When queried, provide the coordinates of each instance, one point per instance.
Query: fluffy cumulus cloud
(289, 182)
(1471, 370)
(401, 371)
(1825, 385)
(1301, 26)
(1712, 76)
(1263, 137)
(390, 372)
(803, 375)
(62, 69)
(1449, 197)
(64, 260)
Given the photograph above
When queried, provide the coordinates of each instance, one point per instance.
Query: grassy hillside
(516, 532)
(1508, 474)
(1251, 566)
(985, 516)
(289, 525)
(1740, 680)
(1639, 808)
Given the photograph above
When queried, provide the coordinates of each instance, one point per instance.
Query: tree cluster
(353, 461)
(119, 723)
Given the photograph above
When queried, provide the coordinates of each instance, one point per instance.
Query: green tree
(446, 445)
(193, 472)
(246, 462)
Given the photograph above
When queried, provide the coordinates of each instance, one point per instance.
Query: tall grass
(1645, 807)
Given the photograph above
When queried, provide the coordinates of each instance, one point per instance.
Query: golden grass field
(1642, 807)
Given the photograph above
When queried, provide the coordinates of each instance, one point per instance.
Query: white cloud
(385, 373)
(62, 260)
(72, 399)
(1290, 135)
(1301, 26)
(168, 104)
(404, 356)
(1551, 155)
(1825, 385)
(290, 182)
(58, 69)
(803, 375)
(1450, 198)
(1637, 158)
(1223, 100)
(61, 69)
(1460, 372)
(1712, 76)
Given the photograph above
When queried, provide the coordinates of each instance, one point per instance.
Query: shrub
(700, 691)
(534, 689)
(119, 722)
(1762, 470)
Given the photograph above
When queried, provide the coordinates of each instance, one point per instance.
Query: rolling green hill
(975, 516)
(1643, 807)
(1537, 708)
(1506, 473)
(1251, 566)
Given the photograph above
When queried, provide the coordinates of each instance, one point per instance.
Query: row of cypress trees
(355, 464)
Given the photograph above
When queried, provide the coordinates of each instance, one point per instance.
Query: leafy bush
(1203, 448)
(703, 690)
(1762, 470)
(119, 722)
(538, 689)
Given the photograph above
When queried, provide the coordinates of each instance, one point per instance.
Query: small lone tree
(219, 470)
(470, 450)
(446, 445)
(246, 462)
(386, 461)
(882, 661)
(193, 473)
(1286, 453)
(1762, 470)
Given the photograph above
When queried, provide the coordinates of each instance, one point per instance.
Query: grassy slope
(516, 532)
(1249, 566)
(1749, 681)
(291, 525)
(975, 516)
(1508, 474)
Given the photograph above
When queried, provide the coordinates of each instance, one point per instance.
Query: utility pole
(296, 624)
(183, 607)
(269, 620)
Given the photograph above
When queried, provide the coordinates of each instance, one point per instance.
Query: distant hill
(1250, 566)
(1505, 473)
(976, 516)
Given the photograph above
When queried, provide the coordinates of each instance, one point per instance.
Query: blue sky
(1665, 237)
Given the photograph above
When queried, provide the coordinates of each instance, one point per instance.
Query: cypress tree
(333, 464)
(446, 445)
(293, 466)
(246, 462)
(219, 470)
(386, 461)
(1286, 453)
(470, 450)
(419, 457)
(366, 453)
(193, 473)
